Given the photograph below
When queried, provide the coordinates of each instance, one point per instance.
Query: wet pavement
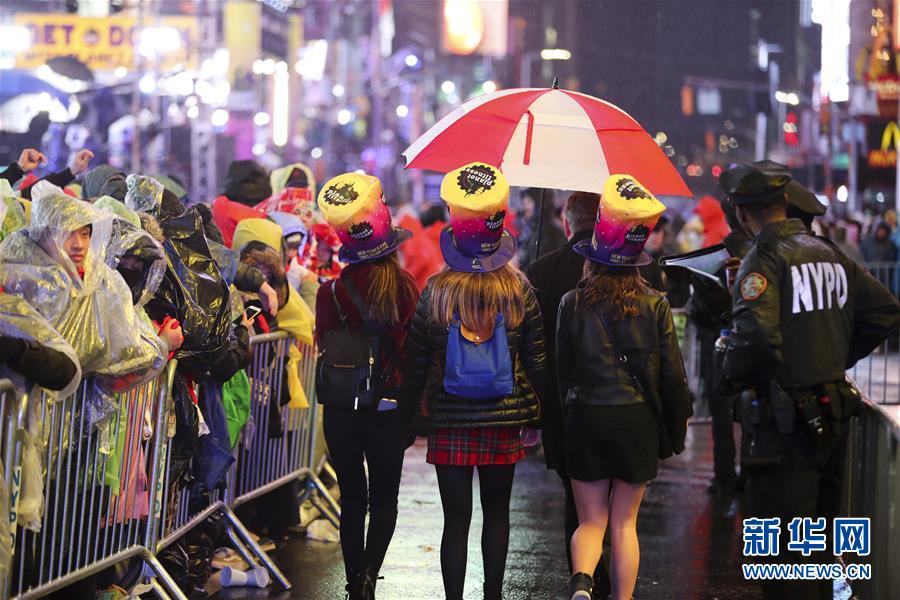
(690, 541)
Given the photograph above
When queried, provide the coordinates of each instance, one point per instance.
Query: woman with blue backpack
(623, 383)
(475, 359)
(361, 322)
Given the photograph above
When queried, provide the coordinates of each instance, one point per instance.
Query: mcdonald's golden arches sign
(886, 156)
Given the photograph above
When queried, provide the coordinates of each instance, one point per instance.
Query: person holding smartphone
(376, 436)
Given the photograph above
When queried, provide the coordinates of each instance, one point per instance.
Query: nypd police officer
(802, 314)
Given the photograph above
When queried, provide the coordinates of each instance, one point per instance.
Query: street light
(14, 38)
(787, 98)
(219, 117)
(545, 54)
(154, 40)
(555, 54)
(344, 116)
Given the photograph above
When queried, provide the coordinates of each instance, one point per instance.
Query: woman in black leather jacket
(622, 379)
(476, 295)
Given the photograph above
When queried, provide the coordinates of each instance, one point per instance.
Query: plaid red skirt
(463, 447)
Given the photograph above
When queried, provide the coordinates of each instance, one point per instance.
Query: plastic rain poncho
(193, 289)
(93, 312)
(129, 239)
(20, 320)
(279, 178)
(144, 194)
(12, 215)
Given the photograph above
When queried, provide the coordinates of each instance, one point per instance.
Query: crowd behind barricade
(458, 325)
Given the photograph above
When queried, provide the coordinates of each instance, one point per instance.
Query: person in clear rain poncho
(60, 265)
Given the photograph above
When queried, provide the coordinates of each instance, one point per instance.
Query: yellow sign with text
(886, 157)
(101, 43)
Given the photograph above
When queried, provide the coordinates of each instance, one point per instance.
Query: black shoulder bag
(350, 372)
(665, 446)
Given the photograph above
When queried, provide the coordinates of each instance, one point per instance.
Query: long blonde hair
(389, 288)
(478, 297)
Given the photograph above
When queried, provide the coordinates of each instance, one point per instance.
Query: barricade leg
(163, 582)
(331, 509)
(244, 534)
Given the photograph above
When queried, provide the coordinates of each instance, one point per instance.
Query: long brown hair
(389, 288)
(478, 297)
(615, 289)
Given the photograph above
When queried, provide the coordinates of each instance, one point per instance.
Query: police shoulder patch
(753, 285)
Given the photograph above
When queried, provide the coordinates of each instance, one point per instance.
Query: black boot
(362, 587)
(580, 585)
(371, 580)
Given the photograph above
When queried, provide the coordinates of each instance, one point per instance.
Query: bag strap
(369, 322)
(338, 304)
(636, 377)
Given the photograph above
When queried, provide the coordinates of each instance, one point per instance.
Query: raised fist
(31, 159)
(79, 163)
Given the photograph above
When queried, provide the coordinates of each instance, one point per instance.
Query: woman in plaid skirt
(473, 304)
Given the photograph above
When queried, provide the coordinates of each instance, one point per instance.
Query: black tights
(455, 484)
(378, 439)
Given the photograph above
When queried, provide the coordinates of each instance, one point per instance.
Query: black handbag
(647, 392)
(350, 372)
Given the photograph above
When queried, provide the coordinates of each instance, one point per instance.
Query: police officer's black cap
(748, 185)
(798, 197)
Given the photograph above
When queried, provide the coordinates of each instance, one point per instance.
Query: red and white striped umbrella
(547, 138)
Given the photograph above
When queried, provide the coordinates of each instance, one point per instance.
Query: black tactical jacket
(803, 312)
(426, 349)
(590, 373)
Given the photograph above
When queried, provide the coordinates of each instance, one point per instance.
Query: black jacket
(426, 348)
(803, 312)
(14, 173)
(590, 373)
(552, 276)
(49, 368)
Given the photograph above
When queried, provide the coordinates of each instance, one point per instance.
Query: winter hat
(291, 226)
(627, 214)
(103, 180)
(260, 230)
(294, 175)
(247, 182)
(353, 204)
(475, 241)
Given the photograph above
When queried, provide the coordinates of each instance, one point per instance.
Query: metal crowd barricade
(263, 462)
(266, 461)
(690, 354)
(96, 509)
(878, 375)
(176, 518)
(99, 512)
(10, 474)
(873, 491)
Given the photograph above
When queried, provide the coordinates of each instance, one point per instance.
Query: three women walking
(467, 364)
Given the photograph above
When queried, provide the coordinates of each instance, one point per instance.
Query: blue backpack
(478, 371)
